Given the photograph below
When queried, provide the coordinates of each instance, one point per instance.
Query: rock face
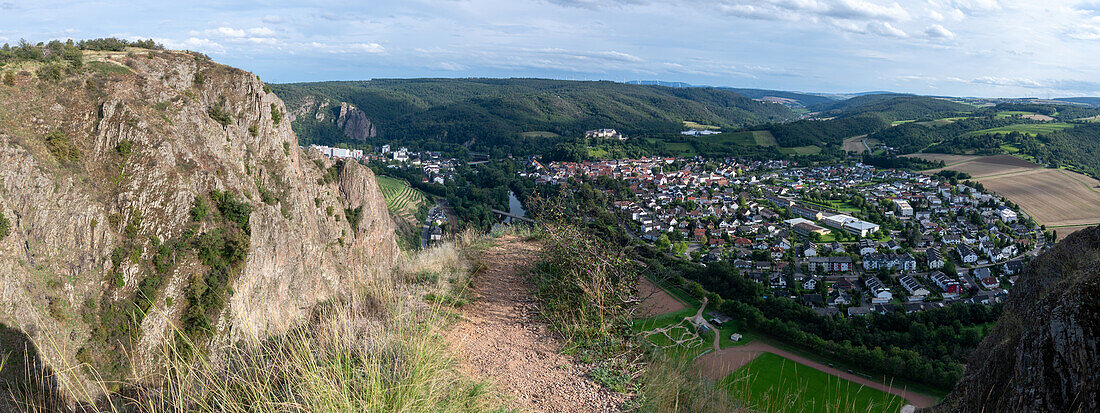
(139, 146)
(1044, 354)
(355, 124)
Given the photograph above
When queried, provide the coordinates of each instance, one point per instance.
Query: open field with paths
(718, 365)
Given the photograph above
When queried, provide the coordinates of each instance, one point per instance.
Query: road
(426, 233)
(717, 365)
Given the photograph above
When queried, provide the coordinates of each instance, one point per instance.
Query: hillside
(506, 115)
(1042, 355)
(156, 196)
(895, 107)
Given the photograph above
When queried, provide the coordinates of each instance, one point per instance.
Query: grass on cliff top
(379, 349)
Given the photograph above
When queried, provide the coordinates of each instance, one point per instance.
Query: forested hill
(894, 107)
(509, 114)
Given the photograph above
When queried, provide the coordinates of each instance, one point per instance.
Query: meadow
(1031, 129)
(771, 383)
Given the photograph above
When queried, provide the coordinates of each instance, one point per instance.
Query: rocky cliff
(151, 192)
(355, 123)
(1044, 354)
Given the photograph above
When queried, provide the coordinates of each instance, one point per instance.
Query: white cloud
(937, 31)
(885, 29)
(368, 47)
(194, 43)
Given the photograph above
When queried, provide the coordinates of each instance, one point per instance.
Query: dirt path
(717, 365)
(501, 340)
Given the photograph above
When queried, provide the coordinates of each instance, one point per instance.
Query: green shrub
(5, 226)
(9, 79)
(286, 148)
(50, 73)
(125, 147)
(199, 78)
(267, 196)
(59, 145)
(267, 89)
(231, 209)
(253, 130)
(218, 113)
(276, 115)
(199, 209)
(353, 216)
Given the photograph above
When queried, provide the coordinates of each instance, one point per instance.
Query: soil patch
(657, 301)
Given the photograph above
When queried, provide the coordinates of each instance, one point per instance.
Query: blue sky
(1042, 48)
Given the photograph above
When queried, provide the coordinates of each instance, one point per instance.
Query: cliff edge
(1044, 353)
(157, 193)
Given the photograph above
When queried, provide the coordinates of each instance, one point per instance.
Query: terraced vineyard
(401, 199)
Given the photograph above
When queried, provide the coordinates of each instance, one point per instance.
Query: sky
(988, 48)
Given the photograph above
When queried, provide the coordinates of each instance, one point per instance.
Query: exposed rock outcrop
(174, 128)
(1044, 353)
(355, 124)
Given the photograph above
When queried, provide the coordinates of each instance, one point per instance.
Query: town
(839, 239)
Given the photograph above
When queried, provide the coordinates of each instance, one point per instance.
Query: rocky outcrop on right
(1044, 354)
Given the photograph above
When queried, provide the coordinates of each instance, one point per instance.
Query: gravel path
(501, 340)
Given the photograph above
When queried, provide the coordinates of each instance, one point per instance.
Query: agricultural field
(1053, 197)
(855, 144)
(988, 166)
(771, 383)
(1058, 198)
(401, 199)
(764, 138)
(948, 159)
(1025, 128)
(699, 126)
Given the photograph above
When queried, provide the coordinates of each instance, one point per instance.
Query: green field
(1010, 113)
(1026, 128)
(401, 199)
(764, 138)
(771, 383)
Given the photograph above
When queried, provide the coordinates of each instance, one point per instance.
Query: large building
(604, 133)
(903, 208)
(339, 153)
(806, 228)
(830, 264)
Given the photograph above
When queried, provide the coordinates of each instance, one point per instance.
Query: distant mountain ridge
(491, 114)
